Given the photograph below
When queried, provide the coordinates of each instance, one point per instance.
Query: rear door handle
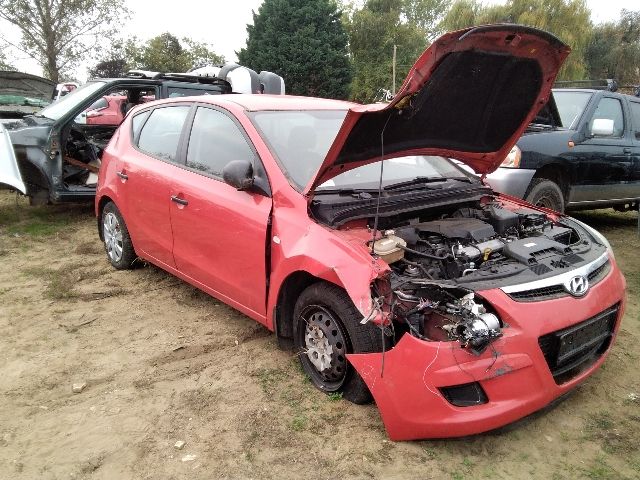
(122, 175)
(179, 200)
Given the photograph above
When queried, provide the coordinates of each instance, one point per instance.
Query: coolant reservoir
(387, 248)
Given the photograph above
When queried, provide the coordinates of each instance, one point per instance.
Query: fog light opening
(465, 395)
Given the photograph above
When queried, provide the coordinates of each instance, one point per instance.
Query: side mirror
(94, 113)
(602, 127)
(238, 174)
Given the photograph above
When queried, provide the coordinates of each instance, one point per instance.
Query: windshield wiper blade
(345, 191)
(413, 182)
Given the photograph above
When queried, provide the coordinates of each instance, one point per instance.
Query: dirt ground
(163, 362)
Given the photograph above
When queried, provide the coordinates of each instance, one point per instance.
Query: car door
(634, 108)
(219, 233)
(146, 172)
(605, 162)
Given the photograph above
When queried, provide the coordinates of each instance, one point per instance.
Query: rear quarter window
(635, 118)
(160, 134)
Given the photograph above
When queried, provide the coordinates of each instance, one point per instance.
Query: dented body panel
(513, 373)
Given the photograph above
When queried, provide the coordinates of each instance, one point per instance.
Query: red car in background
(107, 110)
(347, 231)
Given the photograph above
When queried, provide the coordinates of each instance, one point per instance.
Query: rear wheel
(326, 328)
(117, 242)
(545, 193)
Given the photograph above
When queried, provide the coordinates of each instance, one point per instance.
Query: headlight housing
(595, 234)
(512, 160)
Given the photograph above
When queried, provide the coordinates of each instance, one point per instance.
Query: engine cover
(462, 228)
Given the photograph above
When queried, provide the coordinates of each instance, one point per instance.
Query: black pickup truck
(584, 154)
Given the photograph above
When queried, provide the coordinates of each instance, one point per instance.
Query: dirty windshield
(397, 172)
(570, 105)
(71, 101)
(299, 139)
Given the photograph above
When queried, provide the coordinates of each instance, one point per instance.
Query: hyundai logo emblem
(578, 286)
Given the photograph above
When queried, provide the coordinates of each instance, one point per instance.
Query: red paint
(517, 384)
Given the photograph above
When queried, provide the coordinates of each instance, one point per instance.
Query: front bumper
(512, 181)
(513, 371)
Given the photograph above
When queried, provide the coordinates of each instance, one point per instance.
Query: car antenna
(375, 220)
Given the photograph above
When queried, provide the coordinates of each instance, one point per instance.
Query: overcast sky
(223, 24)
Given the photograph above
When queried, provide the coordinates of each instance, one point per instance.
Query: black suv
(584, 153)
(58, 150)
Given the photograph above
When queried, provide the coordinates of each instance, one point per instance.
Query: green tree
(58, 34)
(164, 53)
(426, 14)
(4, 63)
(373, 31)
(305, 42)
(569, 20)
(614, 50)
(112, 68)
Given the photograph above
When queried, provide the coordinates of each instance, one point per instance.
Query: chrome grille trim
(561, 280)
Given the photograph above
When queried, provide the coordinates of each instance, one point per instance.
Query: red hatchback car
(348, 231)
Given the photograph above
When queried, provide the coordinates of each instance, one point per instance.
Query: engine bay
(473, 244)
(438, 264)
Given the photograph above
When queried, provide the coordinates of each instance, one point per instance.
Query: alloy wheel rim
(112, 233)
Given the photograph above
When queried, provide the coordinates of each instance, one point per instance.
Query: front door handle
(179, 200)
(122, 175)
(627, 150)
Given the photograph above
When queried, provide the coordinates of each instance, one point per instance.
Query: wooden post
(393, 88)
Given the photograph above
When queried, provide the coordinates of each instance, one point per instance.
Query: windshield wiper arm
(415, 181)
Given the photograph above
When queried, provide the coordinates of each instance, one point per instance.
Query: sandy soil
(164, 362)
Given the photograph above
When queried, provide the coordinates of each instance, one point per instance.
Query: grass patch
(614, 435)
(600, 470)
(271, 379)
(36, 222)
(299, 423)
(59, 283)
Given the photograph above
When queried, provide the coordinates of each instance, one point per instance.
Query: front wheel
(117, 242)
(326, 328)
(545, 193)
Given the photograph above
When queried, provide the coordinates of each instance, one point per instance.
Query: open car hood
(28, 90)
(469, 96)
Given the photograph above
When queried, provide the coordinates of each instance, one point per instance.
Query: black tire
(116, 239)
(545, 193)
(324, 307)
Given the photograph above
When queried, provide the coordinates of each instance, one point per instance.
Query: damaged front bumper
(415, 383)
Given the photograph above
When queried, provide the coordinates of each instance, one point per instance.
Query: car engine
(437, 265)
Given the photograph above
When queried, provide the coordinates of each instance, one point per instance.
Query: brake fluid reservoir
(387, 248)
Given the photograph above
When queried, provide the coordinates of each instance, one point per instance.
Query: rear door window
(161, 132)
(215, 141)
(635, 118)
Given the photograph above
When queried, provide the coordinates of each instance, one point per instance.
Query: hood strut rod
(375, 220)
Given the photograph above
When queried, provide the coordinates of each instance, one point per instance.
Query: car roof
(584, 90)
(276, 102)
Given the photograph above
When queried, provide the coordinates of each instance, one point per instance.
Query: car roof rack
(146, 74)
(605, 84)
(178, 77)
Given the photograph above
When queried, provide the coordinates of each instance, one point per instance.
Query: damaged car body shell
(485, 308)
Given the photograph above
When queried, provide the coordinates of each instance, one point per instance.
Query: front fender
(306, 246)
